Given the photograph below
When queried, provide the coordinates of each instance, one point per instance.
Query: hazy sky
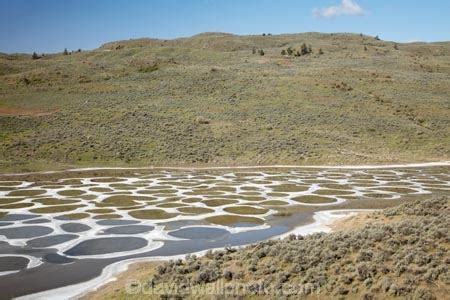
(52, 25)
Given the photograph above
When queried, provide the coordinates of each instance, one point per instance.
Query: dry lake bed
(61, 229)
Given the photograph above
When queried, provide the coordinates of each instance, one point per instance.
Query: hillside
(208, 100)
(399, 252)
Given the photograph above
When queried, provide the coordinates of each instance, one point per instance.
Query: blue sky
(52, 25)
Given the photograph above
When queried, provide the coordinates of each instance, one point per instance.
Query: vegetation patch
(366, 87)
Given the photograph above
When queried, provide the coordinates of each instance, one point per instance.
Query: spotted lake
(63, 228)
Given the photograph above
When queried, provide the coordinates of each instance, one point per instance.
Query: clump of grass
(149, 68)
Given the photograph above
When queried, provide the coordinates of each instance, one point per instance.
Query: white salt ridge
(354, 167)
(33, 262)
(160, 234)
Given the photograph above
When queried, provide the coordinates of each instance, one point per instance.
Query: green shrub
(304, 49)
(149, 69)
(290, 51)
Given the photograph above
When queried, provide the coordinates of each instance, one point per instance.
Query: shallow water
(79, 224)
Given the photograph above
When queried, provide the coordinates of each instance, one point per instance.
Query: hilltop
(212, 99)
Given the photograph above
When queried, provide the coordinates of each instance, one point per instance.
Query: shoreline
(349, 167)
(324, 221)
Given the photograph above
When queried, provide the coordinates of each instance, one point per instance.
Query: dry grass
(345, 106)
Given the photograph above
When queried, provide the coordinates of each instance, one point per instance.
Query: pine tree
(35, 56)
(65, 51)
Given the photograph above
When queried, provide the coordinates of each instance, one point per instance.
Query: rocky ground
(210, 100)
(399, 252)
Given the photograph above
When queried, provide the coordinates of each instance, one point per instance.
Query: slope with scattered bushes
(353, 99)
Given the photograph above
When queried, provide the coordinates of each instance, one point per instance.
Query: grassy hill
(209, 100)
